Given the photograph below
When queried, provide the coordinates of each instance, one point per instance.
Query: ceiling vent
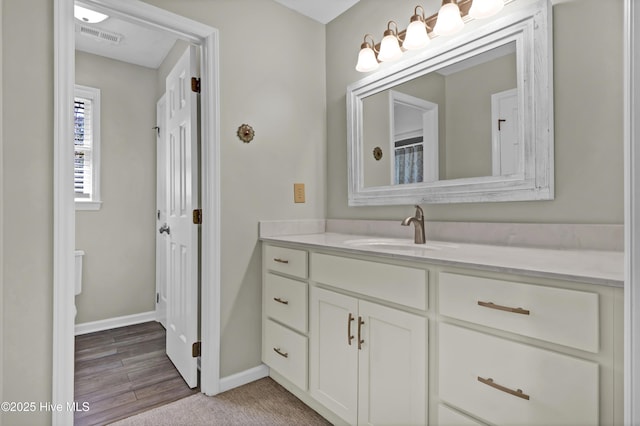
(98, 34)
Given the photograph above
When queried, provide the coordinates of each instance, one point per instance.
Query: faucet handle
(419, 212)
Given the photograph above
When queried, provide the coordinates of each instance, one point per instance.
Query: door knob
(165, 228)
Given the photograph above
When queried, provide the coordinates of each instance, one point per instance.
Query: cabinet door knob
(360, 324)
(518, 392)
(282, 354)
(492, 305)
(349, 336)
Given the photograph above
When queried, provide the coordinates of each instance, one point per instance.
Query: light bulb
(485, 8)
(389, 49)
(416, 36)
(366, 59)
(449, 20)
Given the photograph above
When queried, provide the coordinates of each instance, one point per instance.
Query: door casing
(64, 209)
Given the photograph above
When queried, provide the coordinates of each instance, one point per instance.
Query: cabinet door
(333, 357)
(392, 367)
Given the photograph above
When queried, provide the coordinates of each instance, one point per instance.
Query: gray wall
(119, 239)
(280, 92)
(468, 106)
(27, 231)
(588, 116)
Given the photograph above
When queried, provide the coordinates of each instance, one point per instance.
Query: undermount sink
(397, 244)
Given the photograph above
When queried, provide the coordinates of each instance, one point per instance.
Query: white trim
(632, 213)
(1, 221)
(211, 213)
(64, 223)
(88, 205)
(243, 377)
(63, 213)
(109, 323)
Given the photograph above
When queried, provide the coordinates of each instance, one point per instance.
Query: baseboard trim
(108, 324)
(243, 377)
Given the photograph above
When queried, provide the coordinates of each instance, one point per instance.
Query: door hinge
(197, 216)
(196, 349)
(195, 84)
(157, 297)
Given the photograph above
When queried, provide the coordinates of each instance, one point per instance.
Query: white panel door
(182, 308)
(507, 150)
(162, 239)
(333, 352)
(392, 367)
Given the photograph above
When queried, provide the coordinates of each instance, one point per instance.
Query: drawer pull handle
(349, 336)
(282, 354)
(360, 324)
(277, 259)
(492, 305)
(517, 392)
(284, 302)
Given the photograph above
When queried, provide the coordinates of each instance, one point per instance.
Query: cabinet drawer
(566, 317)
(286, 301)
(396, 284)
(477, 372)
(286, 352)
(450, 417)
(286, 260)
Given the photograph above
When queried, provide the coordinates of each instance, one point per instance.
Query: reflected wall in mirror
(469, 120)
(456, 122)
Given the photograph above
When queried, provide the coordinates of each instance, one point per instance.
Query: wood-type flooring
(122, 372)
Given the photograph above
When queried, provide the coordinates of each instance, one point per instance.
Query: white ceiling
(148, 47)
(323, 11)
(138, 45)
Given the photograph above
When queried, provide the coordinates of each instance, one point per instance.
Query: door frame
(631, 69)
(64, 208)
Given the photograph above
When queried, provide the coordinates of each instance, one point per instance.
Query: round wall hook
(246, 133)
(377, 153)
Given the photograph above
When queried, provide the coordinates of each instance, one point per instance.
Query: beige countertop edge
(604, 268)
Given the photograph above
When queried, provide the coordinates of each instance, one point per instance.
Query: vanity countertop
(587, 266)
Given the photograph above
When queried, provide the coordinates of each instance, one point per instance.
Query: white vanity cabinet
(375, 339)
(554, 365)
(367, 361)
(284, 305)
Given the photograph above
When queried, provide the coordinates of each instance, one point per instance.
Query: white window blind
(86, 115)
(83, 148)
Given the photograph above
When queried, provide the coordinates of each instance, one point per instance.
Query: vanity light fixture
(87, 15)
(367, 60)
(447, 21)
(485, 8)
(416, 36)
(390, 46)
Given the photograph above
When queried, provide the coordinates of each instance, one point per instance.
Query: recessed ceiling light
(87, 15)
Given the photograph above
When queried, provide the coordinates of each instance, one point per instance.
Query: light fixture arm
(419, 17)
(372, 45)
(394, 33)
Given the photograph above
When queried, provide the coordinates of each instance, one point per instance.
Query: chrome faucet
(418, 223)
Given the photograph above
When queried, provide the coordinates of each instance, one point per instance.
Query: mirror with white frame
(470, 119)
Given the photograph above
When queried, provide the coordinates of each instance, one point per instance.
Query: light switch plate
(298, 192)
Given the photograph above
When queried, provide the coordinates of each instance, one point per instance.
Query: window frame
(92, 94)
